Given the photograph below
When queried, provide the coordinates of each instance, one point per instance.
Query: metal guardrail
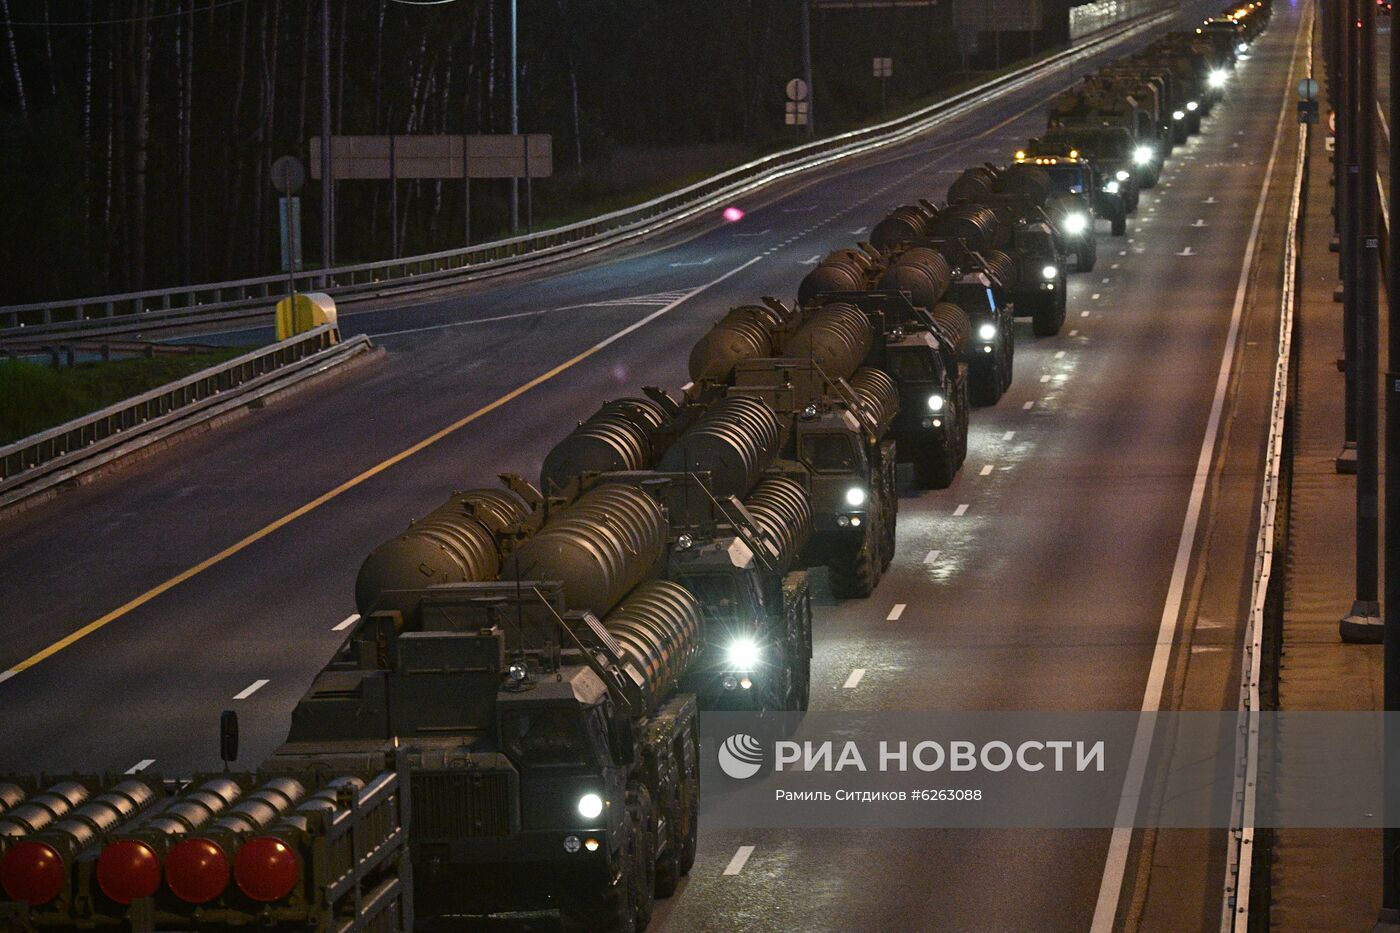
(373, 278)
(1242, 836)
(42, 460)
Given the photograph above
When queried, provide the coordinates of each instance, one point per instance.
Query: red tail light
(33, 872)
(196, 871)
(128, 870)
(266, 869)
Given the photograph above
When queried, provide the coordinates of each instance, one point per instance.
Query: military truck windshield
(719, 599)
(911, 365)
(545, 735)
(829, 453)
(1066, 178)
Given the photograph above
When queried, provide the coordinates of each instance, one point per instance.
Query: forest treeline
(136, 136)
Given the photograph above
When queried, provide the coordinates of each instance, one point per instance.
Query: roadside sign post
(1390, 841)
(797, 110)
(883, 69)
(288, 176)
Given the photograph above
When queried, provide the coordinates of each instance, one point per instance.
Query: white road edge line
(251, 689)
(895, 613)
(140, 766)
(1116, 863)
(741, 857)
(349, 620)
(854, 680)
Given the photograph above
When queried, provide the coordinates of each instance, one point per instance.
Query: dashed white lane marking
(1028, 406)
(1106, 281)
(960, 510)
(1059, 354)
(349, 620)
(799, 210)
(931, 557)
(1199, 223)
(1205, 649)
(1123, 252)
(1094, 297)
(1074, 333)
(813, 261)
(249, 690)
(986, 470)
(1083, 313)
(1188, 251)
(858, 232)
(1008, 435)
(854, 680)
(759, 233)
(682, 265)
(1114, 266)
(895, 613)
(741, 857)
(140, 766)
(1044, 378)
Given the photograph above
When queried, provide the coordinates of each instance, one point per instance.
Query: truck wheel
(988, 381)
(1088, 254)
(644, 863)
(668, 865)
(935, 468)
(1049, 316)
(853, 574)
(616, 913)
(691, 844)
(1120, 225)
(887, 543)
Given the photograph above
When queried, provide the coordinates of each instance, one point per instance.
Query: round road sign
(797, 89)
(1308, 89)
(288, 175)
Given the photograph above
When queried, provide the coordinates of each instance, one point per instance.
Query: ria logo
(740, 756)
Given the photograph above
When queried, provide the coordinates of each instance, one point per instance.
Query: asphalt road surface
(214, 576)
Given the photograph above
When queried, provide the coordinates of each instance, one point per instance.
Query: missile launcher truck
(1109, 151)
(1127, 112)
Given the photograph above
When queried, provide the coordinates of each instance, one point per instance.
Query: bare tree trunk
(490, 65)
(573, 86)
(301, 80)
(237, 151)
(187, 147)
(265, 135)
(87, 129)
(340, 70)
(14, 60)
(48, 54)
(140, 67)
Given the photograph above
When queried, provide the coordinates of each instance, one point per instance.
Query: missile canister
(658, 627)
(1025, 178)
(616, 437)
(922, 272)
(40, 811)
(904, 223)
(11, 795)
(836, 337)
(876, 392)
(953, 325)
(599, 547)
(975, 223)
(734, 441)
(973, 184)
(1001, 266)
(746, 332)
(783, 512)
(454, 543)
(845, 270)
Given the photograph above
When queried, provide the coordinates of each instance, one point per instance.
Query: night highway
(1088, 556)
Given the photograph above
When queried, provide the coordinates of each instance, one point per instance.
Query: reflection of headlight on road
(590, 806)
(1075, 224)
(987, 332)
(1178, 115)
(1111, 187)
(935, 403)
(743, 654)
(1050, 272)
(855, 497)
(1121, 175)
(1143, 154)
(1192, 106)
(1217, 78)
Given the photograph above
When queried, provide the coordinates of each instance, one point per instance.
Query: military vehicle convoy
(510, 727)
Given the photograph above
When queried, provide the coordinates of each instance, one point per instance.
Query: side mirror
(228, 736)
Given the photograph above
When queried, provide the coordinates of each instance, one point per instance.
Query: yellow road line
(263, 532)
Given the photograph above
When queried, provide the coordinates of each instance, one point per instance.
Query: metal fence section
(162, 307)
(42, 460)
(1089, 18)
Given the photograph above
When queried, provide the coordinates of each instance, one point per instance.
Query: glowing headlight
(1050, 272)
(590, 806)
(1075, 224)
(855, 497)
(1192, 106)
(1178, 115)
(1111, 187)
(1217, 78)
(935, 403)
(1241, 48)
(986, 332)
(1143, 154)
(1121, 175)
(743, 654)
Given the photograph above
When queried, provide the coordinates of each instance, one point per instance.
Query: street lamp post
(514, 112)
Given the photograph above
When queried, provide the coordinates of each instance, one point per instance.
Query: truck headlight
(1192, 106)
(1050, 272)
(855, 497)
(1111, 187)
(590, 806)
(743, 654)
(986, 332)
(1178, 115)
(1217, 78)
(1241, 48)
(935, 403)
(1076, 223)
(1121, 175)
(1143, 154)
